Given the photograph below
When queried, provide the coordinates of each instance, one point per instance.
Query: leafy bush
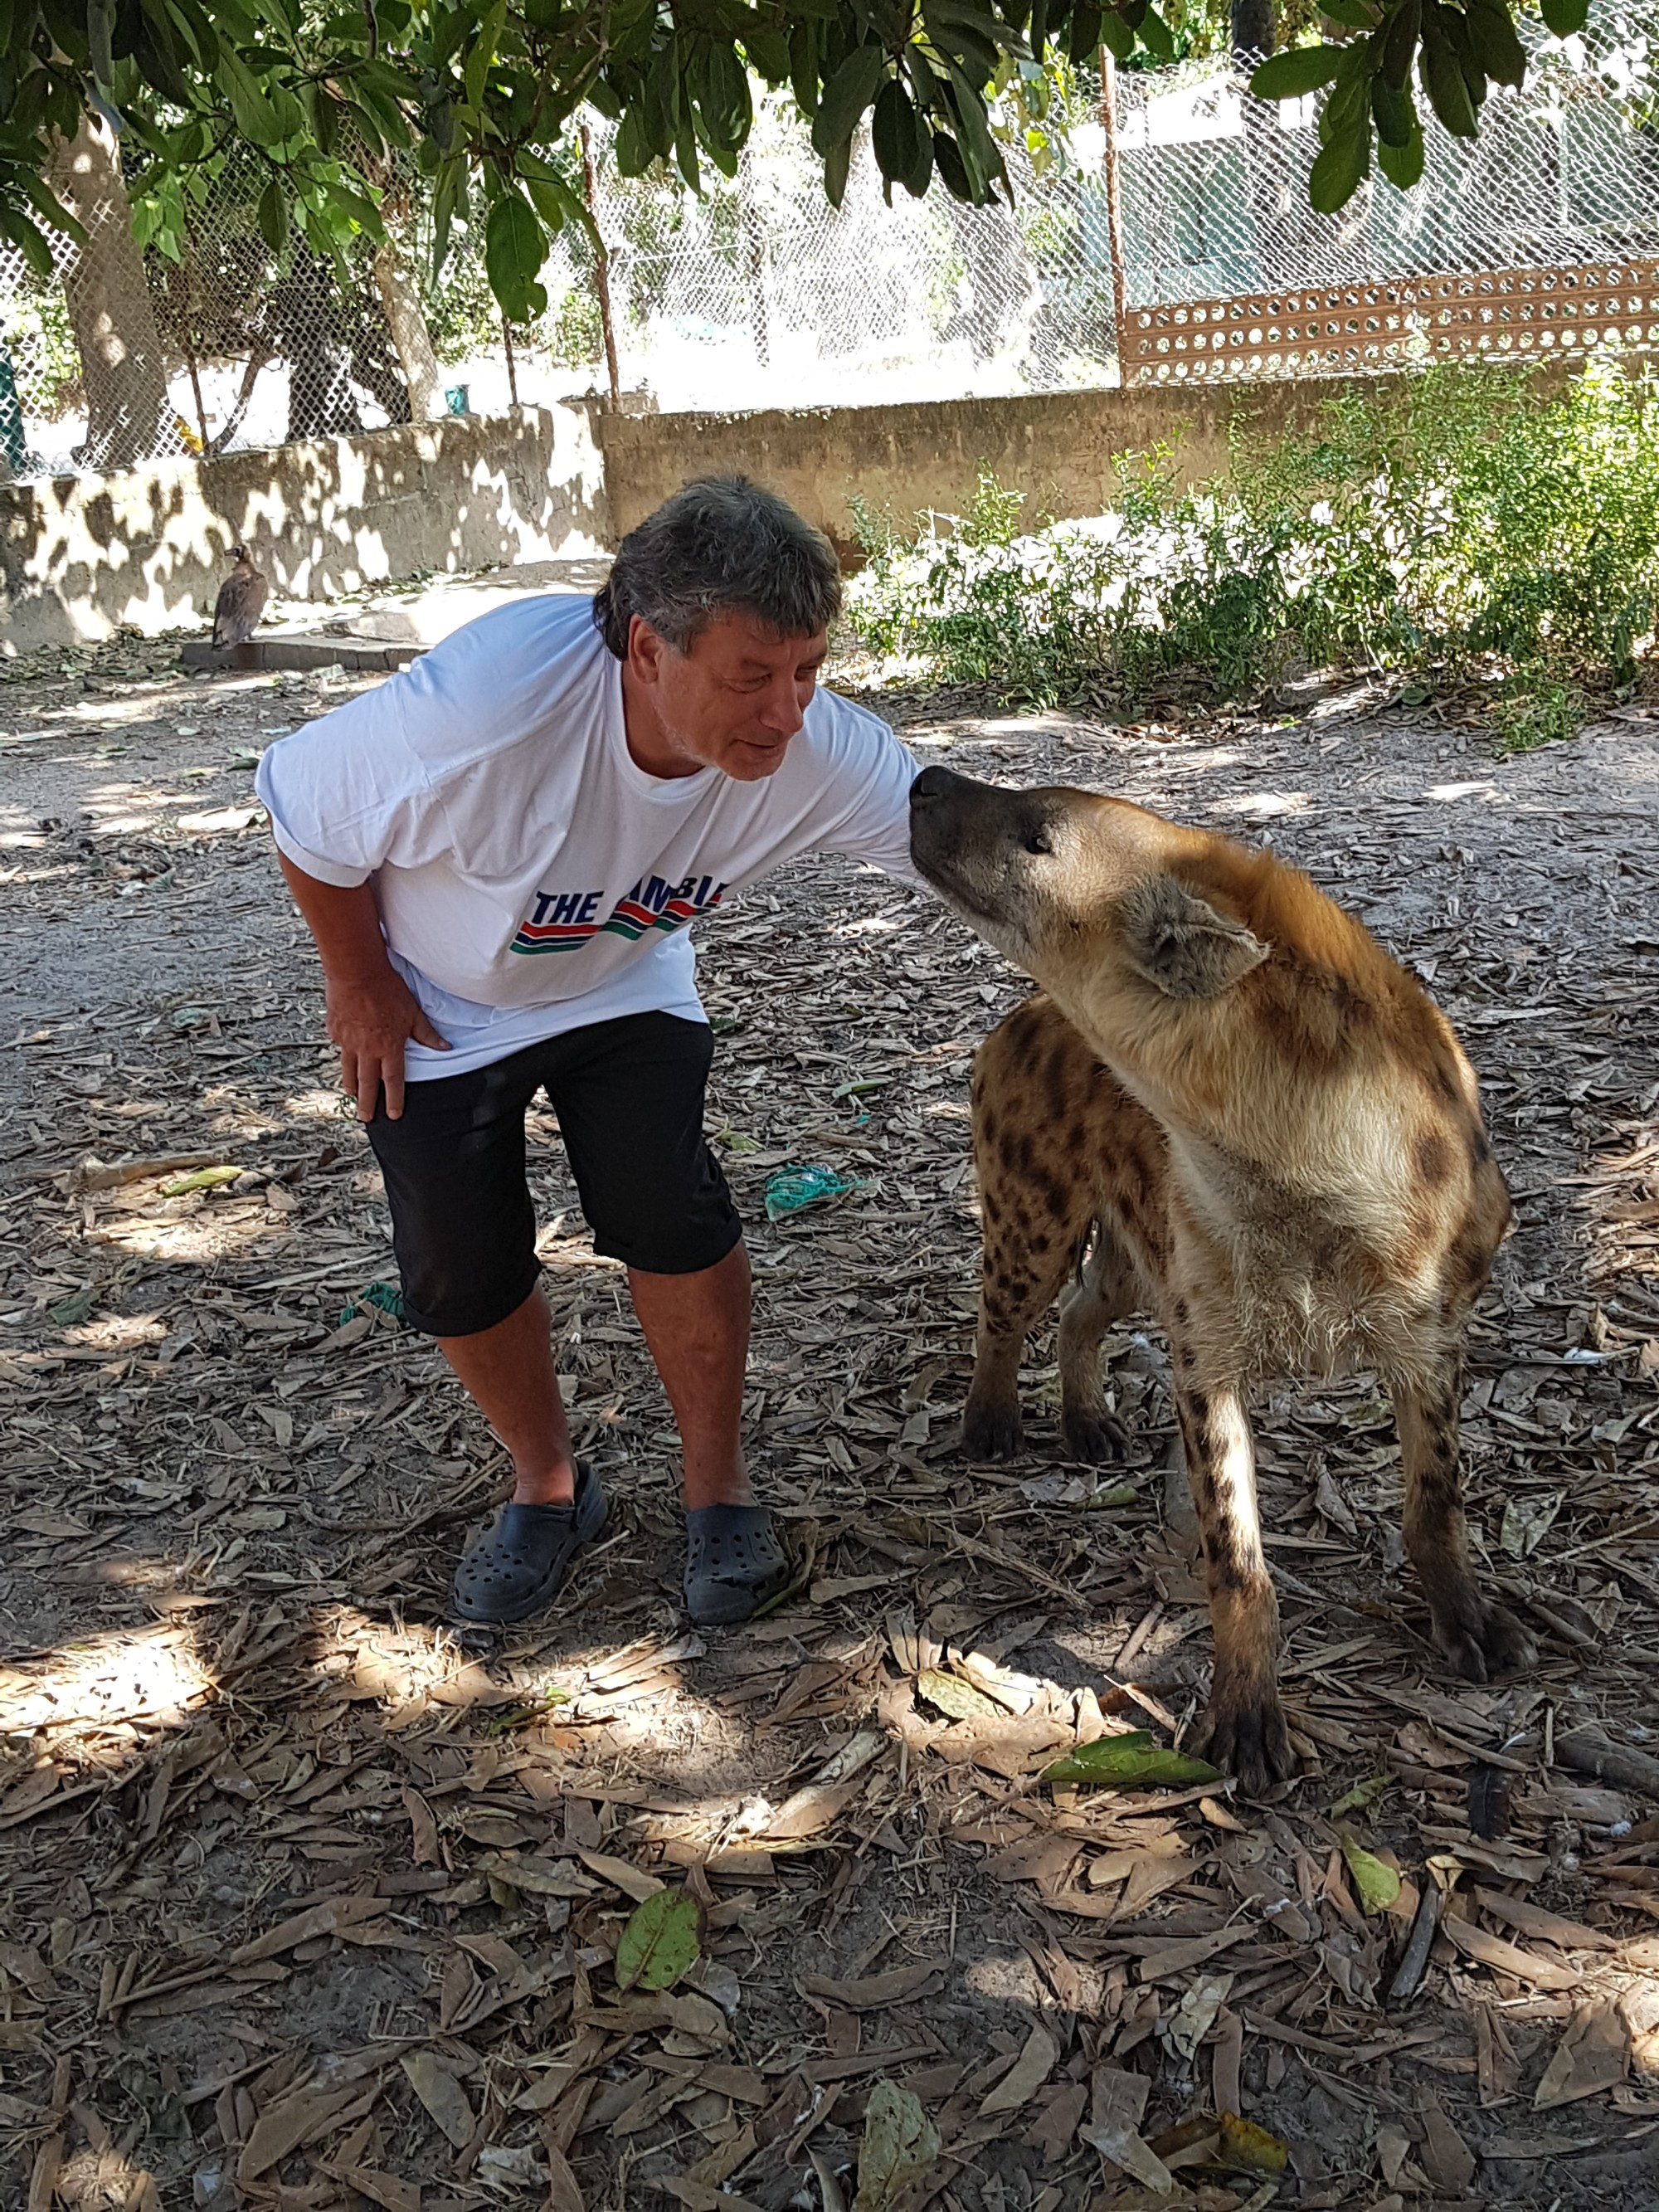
(1461, 523)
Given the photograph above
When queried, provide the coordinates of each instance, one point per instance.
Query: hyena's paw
(1244, 1733)
(1093, 1437)
(990, 1428)
(1479, 1638)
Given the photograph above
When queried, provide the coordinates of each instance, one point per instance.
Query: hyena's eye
(1037, 841)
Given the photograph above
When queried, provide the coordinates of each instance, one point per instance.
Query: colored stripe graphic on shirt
(558, 922)
(561, 921)
(654, 904)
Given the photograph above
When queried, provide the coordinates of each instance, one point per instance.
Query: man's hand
(372, 1018)
(372, 1012)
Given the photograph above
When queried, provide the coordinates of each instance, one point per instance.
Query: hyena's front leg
(1478, 1638)
(1243, 1727)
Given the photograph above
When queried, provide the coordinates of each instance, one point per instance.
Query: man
(499, 854)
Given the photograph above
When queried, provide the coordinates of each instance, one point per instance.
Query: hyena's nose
(934, 783)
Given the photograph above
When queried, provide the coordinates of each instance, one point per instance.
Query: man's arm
(372, 1012)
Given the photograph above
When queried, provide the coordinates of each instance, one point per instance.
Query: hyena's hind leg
(1478, 1638)
(1106, 1289)
(1034, 1225)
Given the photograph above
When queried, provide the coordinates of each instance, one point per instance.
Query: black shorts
(630, 1098)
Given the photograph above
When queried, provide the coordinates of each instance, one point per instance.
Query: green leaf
(848, 94)
(515, 247)
(1400, 44)
(894, 132)
(545, 200)
(1352, 15)
(767, 51)
(199, 1179)
(1394, 111)
(254, 116)
(1363, 1796)
(836, 164)
(721, 84)
(632, 150)
(964, 34)
(1442, 79)
(947, 158)
(1497, 48)
(1376, 1885)
(71, 1312)
(273, 215)
(1083, 40)
(1566, 18)
(900, 2145)
(1337, 170)
(1116, 36)
(1294, 74)
(663, 1941)
(1132, 1761)
(978, 148)
(1157, 36)
(28, 239)
(1402, 165)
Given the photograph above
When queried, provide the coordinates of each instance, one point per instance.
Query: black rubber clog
(734, 1563)
(516, 1564)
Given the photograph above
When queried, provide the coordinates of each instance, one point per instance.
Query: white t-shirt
(532, 878)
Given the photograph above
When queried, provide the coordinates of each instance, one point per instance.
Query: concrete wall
(81, 555)
(1057, 448)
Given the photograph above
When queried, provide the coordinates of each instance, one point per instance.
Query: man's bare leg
(698, 1328)
(508, 1371)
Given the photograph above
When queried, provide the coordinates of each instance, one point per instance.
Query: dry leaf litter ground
(305, 1903)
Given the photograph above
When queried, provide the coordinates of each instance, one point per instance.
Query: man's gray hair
(720, 546)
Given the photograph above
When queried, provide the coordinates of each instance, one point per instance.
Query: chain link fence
(759, 294)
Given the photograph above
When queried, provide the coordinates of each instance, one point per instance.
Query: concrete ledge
(279, 652)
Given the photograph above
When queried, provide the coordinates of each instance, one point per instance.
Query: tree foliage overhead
(484, 91)
(1460, 52)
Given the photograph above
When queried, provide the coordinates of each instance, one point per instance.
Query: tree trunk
(400, 296)
(1253, 40)
(110, 307)
(1253, 30)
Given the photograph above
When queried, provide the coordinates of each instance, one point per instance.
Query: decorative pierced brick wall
(1346, 330)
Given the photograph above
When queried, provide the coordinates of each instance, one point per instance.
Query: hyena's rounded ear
(1179, 942)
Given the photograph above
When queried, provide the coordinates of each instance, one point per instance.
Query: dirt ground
(306, 1902)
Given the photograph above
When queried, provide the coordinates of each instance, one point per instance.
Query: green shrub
(1461, 523)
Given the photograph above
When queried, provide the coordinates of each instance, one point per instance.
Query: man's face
(732, 703)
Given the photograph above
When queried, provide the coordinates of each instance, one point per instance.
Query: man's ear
(646, 649)
(1179, 942)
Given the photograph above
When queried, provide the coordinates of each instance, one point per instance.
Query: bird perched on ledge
(241, 600)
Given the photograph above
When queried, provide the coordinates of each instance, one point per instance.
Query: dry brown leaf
(1447, 2159)
(621, 1875)
(872, 1991)
(1026, 2077)
(1590, 2058)
(564, 2192)
(324, 1919)
(1493, 1951)
(287, 2123)
(43, 2174)
(442, 2095)
(386, 2189)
